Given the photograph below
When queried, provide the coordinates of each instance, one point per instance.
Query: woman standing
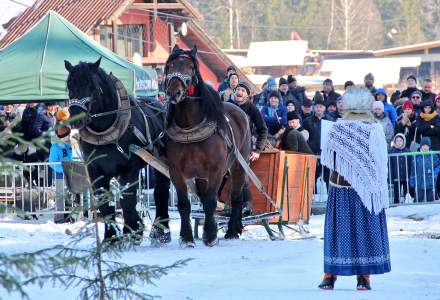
(355, 232)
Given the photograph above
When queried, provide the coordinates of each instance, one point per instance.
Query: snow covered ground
(257, 268)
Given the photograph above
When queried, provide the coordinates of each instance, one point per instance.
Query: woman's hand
(254, 156)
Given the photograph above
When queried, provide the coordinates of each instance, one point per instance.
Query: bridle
(188, 81)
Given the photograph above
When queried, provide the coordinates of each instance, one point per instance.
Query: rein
(107, 113)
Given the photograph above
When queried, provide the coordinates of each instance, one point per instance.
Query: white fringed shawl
(360, 150)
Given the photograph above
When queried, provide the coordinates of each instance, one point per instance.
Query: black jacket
(428, 96)
(408, 92)
(407, 131)
(430, 128)
(290, 97)
(313, 126)
(298, 93)
(6, 117)
(256, 123)
(331, 97)
(293, 140)
(28, 123)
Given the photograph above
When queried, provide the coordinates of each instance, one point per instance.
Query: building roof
(407, 48)
(282, 53)
(84, 14)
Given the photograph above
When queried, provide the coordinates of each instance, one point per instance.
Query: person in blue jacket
(424, 172)
(275, 116)
(61, 150)
(390, 111)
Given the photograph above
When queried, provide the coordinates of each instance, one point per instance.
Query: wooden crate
(296, 199)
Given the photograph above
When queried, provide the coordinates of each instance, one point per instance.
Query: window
(105, 36)
(129, 39)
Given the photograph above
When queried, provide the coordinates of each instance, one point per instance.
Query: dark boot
(363, 283)
(328, 283)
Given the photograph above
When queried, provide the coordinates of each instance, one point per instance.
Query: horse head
(181, 74)
(84, 90)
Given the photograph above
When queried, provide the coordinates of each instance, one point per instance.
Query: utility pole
(231, 25)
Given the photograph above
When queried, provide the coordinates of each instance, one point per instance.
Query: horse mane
(212, 105)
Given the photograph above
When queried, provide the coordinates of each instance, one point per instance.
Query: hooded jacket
(399, 164)
(274, 120)
(60, 152)
(424, 171)
(389, 109)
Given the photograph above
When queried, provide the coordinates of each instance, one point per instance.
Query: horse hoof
(159, 236)
(211, 243)
(232, 236)
(186, 244)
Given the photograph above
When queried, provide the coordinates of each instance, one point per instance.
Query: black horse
(198, 125)
(93, 92)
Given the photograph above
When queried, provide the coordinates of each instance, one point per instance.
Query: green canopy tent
(32, 67)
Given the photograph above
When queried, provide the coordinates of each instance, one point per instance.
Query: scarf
(428, 117)
(357, 150)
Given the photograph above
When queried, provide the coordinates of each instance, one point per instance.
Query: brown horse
(198, 125)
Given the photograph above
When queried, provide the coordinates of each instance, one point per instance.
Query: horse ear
(68, 65)
(175, 48)
(194, 51)
(96, 64)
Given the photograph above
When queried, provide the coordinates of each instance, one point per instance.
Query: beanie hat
(230, 68)
(418, 93)
(290, 102)
(401, 136)
(63, 131)
(292, 115)
(232, 72)
(270, 83)
(307, 103)
(369, 76)
(244, 85)
(408, 105)
(282, 81)
(290, 79)
(412, 77)
(328, 81)
(274, 94)
(318, 99)
(425, 141)
(378, 104)
(330, 103)
(426, 103)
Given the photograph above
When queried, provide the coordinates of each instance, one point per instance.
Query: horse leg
(101, 185)
(208, 197)
(132, 221)
(235, 226)
(160, 232)
(184, 208)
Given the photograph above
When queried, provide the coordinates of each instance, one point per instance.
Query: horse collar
(198, 133)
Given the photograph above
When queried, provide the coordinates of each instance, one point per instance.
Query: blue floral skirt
(355, 240)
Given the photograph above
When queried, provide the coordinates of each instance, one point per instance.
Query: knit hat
(412, 77)
(244, 85)
(418, 93)
(292, 115)
(328, 81)
(318, 99)
(369, 76)
(378, 104)
(290, 102)
(63, 131)
(408, 105)
(230, 68)
(425, 141)
(426, 103)
(401, 136)
(307, 103)
(232, 72)
(291, 79)
(270, 83)
(330, 103)
(274, 94)
(282, 81)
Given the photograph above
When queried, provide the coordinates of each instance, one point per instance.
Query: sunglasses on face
(415, 97)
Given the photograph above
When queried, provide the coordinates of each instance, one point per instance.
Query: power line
(17, 2)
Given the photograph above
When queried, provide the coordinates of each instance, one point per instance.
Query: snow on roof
(238, 60)
(385, 70)
(276, 53)
(11, 10)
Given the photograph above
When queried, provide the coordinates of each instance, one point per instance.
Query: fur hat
(357, 100)
(291, 78)
(292, 115)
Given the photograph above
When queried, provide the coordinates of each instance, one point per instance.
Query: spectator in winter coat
(381, 117)
(399, 166)
(7, 116)
(437, 104)
(328, 91)
(427, 93)
(390, 111)
(290, 106)
(60, 151)
(416, 99)
(256, 123)
(283, 89)
(28, 122)
(275, 116)
(331, 109)
(299, 92)
(224, 85)
(233, 81)
(348, 84)
(424, 173)
(428, 124)
(313, 125)
(306, 109)
(411, 87)
(406, 123)
(339, 108)
(262, 98)
(369, 83)
(292, 139)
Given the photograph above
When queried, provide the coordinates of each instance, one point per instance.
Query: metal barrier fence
(412, 178)
(32, 188)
